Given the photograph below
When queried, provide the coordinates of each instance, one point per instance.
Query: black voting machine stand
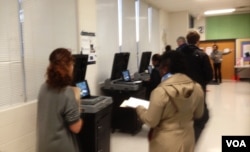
(124, 119)
(95, 133)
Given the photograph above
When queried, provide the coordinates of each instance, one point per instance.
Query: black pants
(217, 72)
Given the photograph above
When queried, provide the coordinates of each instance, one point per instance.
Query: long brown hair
(58, 71)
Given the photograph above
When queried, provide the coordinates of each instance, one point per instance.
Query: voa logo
(236, 143)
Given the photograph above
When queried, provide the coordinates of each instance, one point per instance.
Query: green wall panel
(228, 26)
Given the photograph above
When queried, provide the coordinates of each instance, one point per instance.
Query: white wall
(107, 35)
(179, 25)
(18, 128)
(155, 34)
(163, 30)
(200, 22)
(87, 22)
(129, 33)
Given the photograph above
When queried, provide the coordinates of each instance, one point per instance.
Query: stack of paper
(134, 102)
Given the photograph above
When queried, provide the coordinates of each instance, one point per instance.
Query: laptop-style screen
(126, 75)
(83, 85)
(150, 68)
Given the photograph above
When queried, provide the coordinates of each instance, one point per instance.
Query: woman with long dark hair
(58, 116)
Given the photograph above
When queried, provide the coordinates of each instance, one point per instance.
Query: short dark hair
(193, 37)
(175, 61)
(168, 48)
(156, 57)
(215, 45)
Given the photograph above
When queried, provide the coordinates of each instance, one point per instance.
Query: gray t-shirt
(56, 111)
(216, 56)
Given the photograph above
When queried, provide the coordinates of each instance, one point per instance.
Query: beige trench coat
(173, 106)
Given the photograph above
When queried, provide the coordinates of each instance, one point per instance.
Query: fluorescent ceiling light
(212, 12)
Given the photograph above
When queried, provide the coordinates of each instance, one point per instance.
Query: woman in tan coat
(174, 104)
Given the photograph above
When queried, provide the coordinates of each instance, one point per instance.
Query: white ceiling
(197, 7)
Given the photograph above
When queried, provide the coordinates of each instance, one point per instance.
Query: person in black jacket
(181, 42)
(155, 77)
(200, 70)
(168, 48)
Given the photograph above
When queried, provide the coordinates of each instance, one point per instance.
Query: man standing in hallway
(216, 56)
(181, 42)
(200, 70)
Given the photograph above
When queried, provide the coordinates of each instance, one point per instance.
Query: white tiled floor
(229, 105)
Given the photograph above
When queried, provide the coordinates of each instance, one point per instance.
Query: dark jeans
(217, 72)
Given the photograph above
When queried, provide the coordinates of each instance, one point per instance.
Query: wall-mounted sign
(201, 29)
(88, 43)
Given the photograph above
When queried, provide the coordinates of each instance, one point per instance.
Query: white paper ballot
(134, 102)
